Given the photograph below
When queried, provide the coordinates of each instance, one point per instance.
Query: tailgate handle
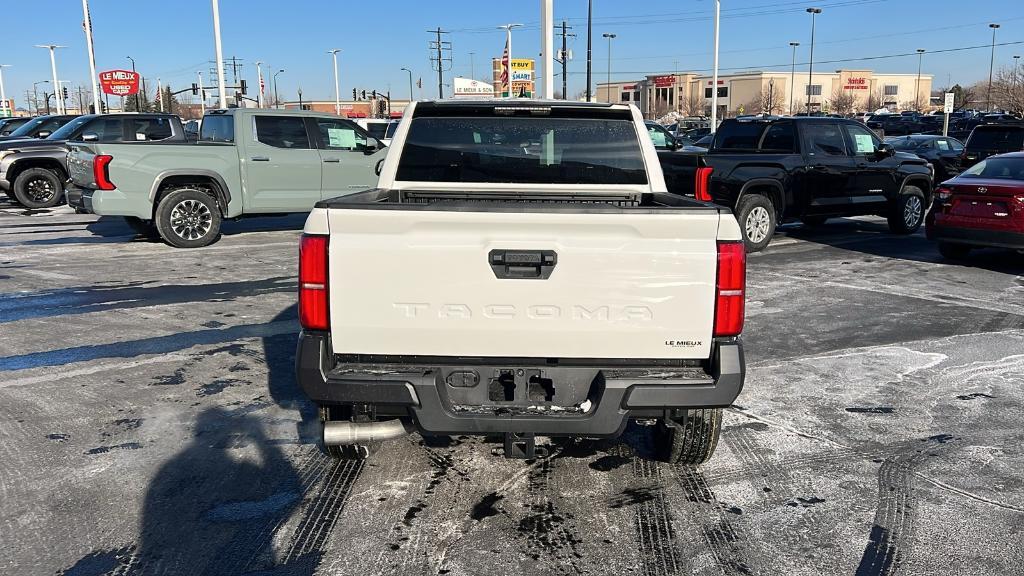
(522, 264)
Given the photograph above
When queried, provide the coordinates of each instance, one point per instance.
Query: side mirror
(90, 137)
(43, 134)
(677, 144)
(886, 150)
(372, 145)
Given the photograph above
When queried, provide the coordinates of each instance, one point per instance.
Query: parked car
(33, 171)
(811, 168)
(376, 127)
(983, 206)
(942, 152)
(540, 317)
(663, 139)
(894, 124)
(991, 139)
(39, 127)
(247, 161)
(12, 123)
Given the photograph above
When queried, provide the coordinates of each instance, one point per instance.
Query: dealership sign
(469, 87)
(119, 82)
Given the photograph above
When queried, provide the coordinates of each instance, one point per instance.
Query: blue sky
(173, 38)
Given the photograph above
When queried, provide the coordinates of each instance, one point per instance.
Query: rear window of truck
(762, 136)
(522, 150)
(1001, 138)
(217, 128)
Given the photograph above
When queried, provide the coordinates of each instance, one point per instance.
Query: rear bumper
(78, 199)
(107, 202)
(976, 236)
(613, 394)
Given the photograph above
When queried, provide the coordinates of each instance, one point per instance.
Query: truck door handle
(522, 264)
(819, 167)
(332, 159)
(260, 159)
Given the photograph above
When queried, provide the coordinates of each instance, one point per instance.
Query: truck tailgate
(624, 285)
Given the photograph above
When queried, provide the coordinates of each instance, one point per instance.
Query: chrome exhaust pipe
(345, 433)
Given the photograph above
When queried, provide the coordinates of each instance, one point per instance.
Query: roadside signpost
(948, 109)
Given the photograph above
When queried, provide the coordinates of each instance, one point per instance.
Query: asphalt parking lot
(150, 424)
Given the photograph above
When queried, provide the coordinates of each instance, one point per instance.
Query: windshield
(65, 131)
(29, 127)
(522, 150)
(1003, 168)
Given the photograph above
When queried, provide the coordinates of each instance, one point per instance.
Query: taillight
(313, 312)
(101, 173)
(943, 194)
(729, 288)
(702, 186)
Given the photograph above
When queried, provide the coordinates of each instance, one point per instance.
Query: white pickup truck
(520, 270)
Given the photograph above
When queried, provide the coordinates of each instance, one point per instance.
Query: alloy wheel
(191, 219)
(912, 211)
(40, 189)
(758, 221)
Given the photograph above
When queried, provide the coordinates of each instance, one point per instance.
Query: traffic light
(195, 89)
(64, 92)
(364, 95)
(354, 97)
(374, 94)
(242, 86)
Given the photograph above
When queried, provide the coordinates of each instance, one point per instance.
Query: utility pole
(590, 33)
(259, 80)
(439, 46)
(81, 103)
(564, 60)
(160, 93)
(917, 87)
(202, 96)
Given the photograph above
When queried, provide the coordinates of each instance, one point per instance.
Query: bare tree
(694, 105)
(1008, 90)
(874, 100)
(842, 101)
(771, 99)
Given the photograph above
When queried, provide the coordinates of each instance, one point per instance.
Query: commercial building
(842, 91)
(371, 108)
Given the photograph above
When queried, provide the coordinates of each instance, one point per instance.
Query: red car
(983, 206)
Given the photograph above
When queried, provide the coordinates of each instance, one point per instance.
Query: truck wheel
(756, 215)
(38, 188)
(951, 251)
(692, 439)
(348, 452)
(142, 227)
(908, 213)
(188, 218)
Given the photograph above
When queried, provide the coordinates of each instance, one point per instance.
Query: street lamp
(410, 83)
(337, 93)
(810, 63)
(472, 68)
(35, 94)
(917, 93)
(3, 92)
(277, 103)
(792, 77)
(138, 103)
(259, 89)
(508, 48)
(220, 55)
(991, 63)
(714, 71)
(608, 82)
(1016, 61)
(53, 69)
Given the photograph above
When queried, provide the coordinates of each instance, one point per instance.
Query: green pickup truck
(246, 161)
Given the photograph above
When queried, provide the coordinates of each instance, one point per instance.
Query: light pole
(1016, 97)
(223, 93)
(991, 63)
(608, 80)
(810, 63)
(53, 69)
(590, 33)
(259, 78)
(337, 94)
(138, 107)
(472, 68)
(508, 48)
(87, 21)
(714, 72)
(160, 93)
(277, 103)
(35, 94)
(202, 96)
(410, 83)
(792, 77)
(917, 89)
(3, 93)
(547, 48)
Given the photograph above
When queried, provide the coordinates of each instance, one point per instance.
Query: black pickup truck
(770, 169)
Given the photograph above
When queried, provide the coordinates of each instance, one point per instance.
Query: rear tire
(188, 218)
(756, 216)
(908, 213)
(690, 440)
(38, 188)
(952, 251)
